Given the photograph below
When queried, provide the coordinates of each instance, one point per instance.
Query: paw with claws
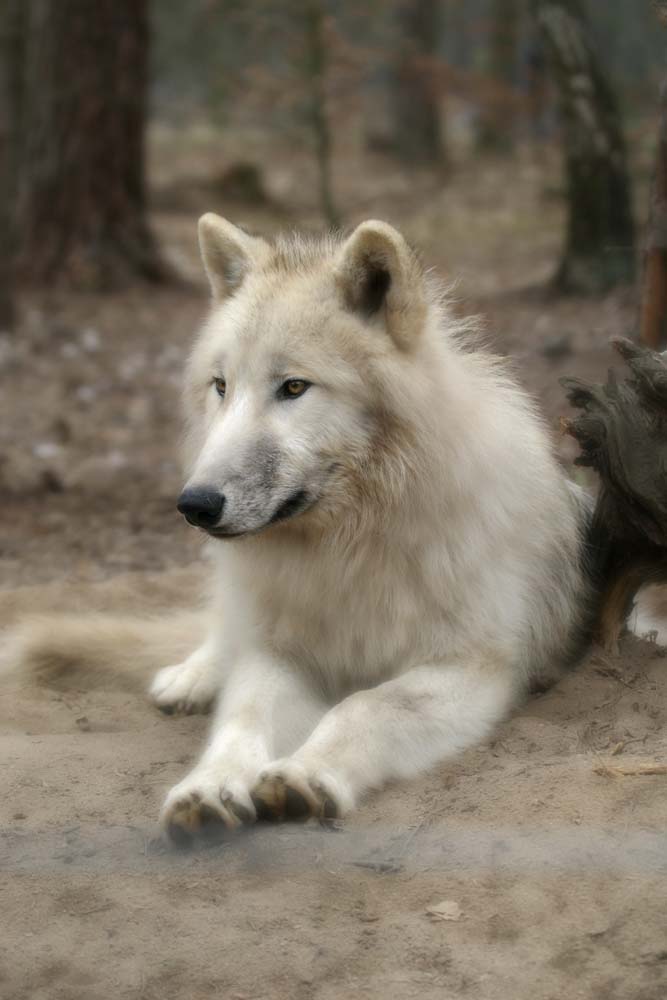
(288, 791)
(185, 688)
(204, 809)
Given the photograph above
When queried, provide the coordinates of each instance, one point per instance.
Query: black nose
(201, 507)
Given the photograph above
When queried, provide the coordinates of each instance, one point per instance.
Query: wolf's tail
(122, 630)
(98, 651)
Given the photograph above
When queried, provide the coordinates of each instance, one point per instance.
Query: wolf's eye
(220, 386)
(293, 388)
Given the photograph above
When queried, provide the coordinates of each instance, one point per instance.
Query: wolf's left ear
(228, 253)
(380, 276)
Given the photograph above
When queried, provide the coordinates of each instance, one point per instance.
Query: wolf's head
(298, 382)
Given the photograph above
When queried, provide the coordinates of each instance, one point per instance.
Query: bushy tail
(93, 648)
(98, 651)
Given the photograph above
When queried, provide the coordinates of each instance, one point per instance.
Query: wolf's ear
(380, 276)
(228, 253)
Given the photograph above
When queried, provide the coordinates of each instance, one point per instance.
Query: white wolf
(397, 555)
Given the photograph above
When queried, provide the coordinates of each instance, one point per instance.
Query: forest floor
(553, 865)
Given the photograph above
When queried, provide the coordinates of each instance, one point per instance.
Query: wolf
(396, 555)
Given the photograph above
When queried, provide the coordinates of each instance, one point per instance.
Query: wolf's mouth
(298, 503)
(295, 504)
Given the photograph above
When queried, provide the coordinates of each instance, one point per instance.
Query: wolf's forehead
(245, 340)
(285, 320)
(286, 313)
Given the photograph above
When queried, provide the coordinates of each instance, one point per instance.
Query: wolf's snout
(201, 507)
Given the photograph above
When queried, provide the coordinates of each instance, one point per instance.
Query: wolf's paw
(202, 808)
(286, 790)
(184, 689)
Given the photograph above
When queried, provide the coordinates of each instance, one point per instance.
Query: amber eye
(293, 388)
(220, 386)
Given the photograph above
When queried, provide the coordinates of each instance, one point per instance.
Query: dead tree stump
(622, 431)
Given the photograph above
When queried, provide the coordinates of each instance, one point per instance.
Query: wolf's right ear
(380, 276)
(228, 253)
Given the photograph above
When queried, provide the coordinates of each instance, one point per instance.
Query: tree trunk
(317, 57)
(82, 199)
(653, 321)
(416, 99)
(402, 100)
(496, 123)
(10, 100)
(599, 250)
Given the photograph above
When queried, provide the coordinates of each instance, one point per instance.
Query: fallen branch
(630, 770)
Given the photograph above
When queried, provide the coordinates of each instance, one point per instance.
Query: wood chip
(448, 909)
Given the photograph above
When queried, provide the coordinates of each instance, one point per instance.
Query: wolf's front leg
(265, 709)
(190, 686)
(395, 730)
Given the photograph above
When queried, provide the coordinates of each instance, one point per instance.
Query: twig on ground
(630, 770)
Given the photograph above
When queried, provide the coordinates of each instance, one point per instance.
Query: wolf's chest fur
(346, 615)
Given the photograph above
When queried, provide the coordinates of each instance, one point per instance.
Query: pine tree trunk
(599, 250)
(82, 194)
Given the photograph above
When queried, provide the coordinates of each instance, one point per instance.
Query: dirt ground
(552, 862)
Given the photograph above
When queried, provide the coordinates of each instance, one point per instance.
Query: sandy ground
(557, 864)
(553, 863)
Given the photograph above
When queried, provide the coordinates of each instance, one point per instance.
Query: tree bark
(82, 196)
(599, 249)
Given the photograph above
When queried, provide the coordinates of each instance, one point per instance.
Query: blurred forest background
(517, 142)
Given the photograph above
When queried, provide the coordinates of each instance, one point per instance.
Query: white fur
(437, 574)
